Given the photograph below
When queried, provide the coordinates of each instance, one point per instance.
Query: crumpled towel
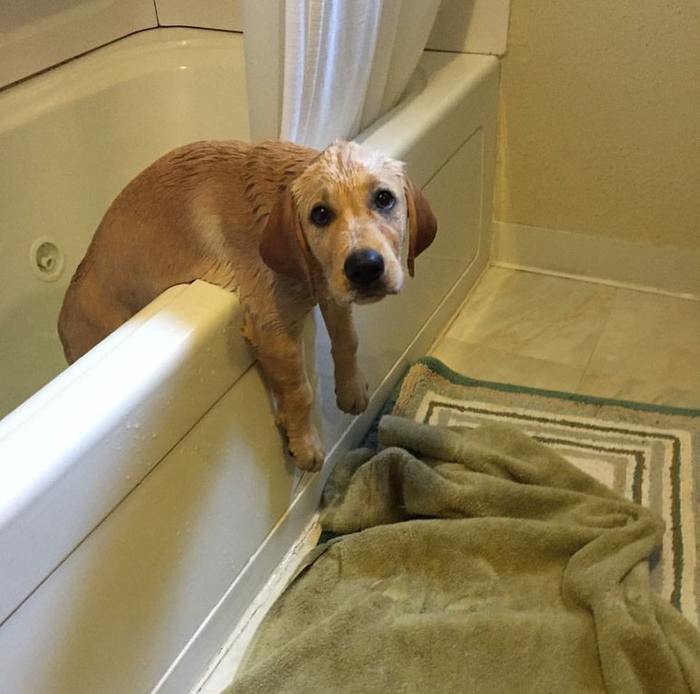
(473, 561)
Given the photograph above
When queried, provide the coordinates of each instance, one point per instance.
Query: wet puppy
(285, 226)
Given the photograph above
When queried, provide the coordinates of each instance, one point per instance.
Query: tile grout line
(603, 327)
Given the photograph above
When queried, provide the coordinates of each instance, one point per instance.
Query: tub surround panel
(208, 14)
(39, 35)
(471, 26)
(36, 35)
(463, 26)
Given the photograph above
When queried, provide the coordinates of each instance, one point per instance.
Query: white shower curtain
(324, 69)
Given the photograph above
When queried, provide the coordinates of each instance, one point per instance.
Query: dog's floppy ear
(422, 224)
(282, 245)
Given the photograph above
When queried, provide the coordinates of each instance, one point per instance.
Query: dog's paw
(351, 395)
(307, 452)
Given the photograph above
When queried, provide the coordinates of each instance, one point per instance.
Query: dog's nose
(364, 267)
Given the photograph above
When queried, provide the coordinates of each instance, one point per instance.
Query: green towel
(474, 561)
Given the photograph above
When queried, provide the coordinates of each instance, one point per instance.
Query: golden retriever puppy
(287, 227)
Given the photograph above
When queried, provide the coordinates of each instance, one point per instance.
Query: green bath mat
(646, 453)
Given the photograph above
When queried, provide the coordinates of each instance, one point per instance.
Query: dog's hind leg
(281, 355)
(87, 316)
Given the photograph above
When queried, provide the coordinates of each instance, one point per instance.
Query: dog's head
(356, 215)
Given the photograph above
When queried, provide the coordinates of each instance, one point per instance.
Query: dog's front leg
(350, 383)
(281, 355)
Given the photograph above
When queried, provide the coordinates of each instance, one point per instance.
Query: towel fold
(473, 561)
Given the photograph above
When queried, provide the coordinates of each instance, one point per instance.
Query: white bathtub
(144, 494)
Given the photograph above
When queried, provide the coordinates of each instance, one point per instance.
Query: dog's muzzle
(363, 268)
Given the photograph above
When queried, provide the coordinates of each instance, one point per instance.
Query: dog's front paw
(351, 395)
(307, 452)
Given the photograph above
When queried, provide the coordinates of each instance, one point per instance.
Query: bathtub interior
(70, 141)
(189, 536)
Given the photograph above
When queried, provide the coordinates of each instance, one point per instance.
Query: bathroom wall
(600, 132)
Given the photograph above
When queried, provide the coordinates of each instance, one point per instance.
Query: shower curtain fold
(318, 70)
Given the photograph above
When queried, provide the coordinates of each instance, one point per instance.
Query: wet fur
(237, 215)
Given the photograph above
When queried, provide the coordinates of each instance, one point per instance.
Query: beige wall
(600, 119)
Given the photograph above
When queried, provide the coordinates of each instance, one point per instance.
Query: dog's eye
(321, 216)
(384, 199)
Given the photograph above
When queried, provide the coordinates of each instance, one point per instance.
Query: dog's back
(196, 213)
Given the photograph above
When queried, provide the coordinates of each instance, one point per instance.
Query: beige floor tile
(488, 364)
(544, 318)
(649, 351)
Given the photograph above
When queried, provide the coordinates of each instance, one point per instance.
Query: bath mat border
(441, 369)
(460, 379)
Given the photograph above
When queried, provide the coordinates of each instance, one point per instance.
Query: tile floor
(571, 335)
